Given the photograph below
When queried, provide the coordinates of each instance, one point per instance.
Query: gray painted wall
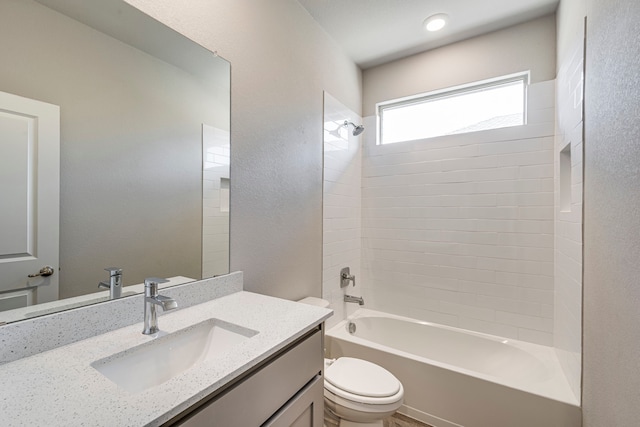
(611, 370)
(570, 20)
(527, 46)
(281, 61)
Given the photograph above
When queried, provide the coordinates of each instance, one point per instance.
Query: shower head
(357, 130)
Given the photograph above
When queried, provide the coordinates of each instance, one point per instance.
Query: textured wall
(281, 63)
(459, 229)
(528, 46)
(612, 215)
(342, 232)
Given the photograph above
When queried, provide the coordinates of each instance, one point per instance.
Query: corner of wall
(568, 186)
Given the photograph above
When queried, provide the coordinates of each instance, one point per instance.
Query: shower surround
(342, 198)
(471, 230)
(458, 229)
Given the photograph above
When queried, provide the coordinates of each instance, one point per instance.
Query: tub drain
(352, 328)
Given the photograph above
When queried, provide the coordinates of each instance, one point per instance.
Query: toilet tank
(315, 301)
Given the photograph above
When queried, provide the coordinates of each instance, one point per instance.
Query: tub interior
(487, 355)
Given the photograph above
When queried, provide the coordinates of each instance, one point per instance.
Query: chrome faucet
(115, 282)
(151, 300)
(350, 298)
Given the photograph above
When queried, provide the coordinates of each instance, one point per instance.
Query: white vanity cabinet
(284, 391)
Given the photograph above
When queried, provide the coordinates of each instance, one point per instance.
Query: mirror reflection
(142, 174)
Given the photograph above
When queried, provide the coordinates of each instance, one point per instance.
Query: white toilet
(357, 393)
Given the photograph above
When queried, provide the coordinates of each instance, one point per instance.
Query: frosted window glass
(460, 111)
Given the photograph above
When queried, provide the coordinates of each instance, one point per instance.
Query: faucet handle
(346, 276)
(151, 280)
(113, 271)
(151, 285)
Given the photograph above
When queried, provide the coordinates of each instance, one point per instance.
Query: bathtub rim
(556, 388)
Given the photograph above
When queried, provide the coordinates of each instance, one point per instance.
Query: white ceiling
(373, 32)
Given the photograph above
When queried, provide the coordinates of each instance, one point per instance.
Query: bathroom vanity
(286, 391)
(241, 359)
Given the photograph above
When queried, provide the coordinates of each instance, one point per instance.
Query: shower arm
(357, 130)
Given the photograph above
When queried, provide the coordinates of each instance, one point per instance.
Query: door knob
(44, 272)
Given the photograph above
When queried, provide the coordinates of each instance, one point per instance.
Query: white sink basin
(152, 363)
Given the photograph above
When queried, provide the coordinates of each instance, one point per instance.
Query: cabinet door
(305, 409)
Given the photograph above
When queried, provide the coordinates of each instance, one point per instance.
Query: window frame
(449, 92)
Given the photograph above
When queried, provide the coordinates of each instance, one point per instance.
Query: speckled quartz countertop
(60, 387)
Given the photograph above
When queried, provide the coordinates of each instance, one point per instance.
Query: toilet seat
(362, 382)
(338, 396)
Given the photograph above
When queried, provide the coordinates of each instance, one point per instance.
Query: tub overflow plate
(351, 327)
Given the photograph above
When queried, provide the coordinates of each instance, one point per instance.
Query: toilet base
(347, 423)
(332, 420)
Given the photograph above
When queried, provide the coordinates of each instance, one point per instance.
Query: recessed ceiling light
(436, 22)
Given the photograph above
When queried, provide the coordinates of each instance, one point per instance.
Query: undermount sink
(152, 363)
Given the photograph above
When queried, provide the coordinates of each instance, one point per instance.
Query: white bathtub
(453, 377)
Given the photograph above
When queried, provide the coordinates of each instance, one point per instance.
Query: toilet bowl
(357, 393)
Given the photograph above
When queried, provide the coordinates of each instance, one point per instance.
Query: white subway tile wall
(568, 222)
(215, 209)
(341, 238)
(459, 230)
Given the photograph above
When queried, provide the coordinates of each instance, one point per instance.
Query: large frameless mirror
(115, 148)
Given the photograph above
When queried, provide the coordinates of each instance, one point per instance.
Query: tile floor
(399, 420)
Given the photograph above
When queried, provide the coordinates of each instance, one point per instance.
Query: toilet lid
(362, 378)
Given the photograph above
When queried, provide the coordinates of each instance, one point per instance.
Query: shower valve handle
(346, 277)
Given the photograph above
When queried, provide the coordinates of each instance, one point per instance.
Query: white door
(29, 196)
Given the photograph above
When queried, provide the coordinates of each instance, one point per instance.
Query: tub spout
(349, 298)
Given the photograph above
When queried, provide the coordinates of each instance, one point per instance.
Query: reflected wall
(131, 144)
(216, 161)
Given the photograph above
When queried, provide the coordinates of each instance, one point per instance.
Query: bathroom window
(489, 104)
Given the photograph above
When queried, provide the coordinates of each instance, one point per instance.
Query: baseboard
(424, 417)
